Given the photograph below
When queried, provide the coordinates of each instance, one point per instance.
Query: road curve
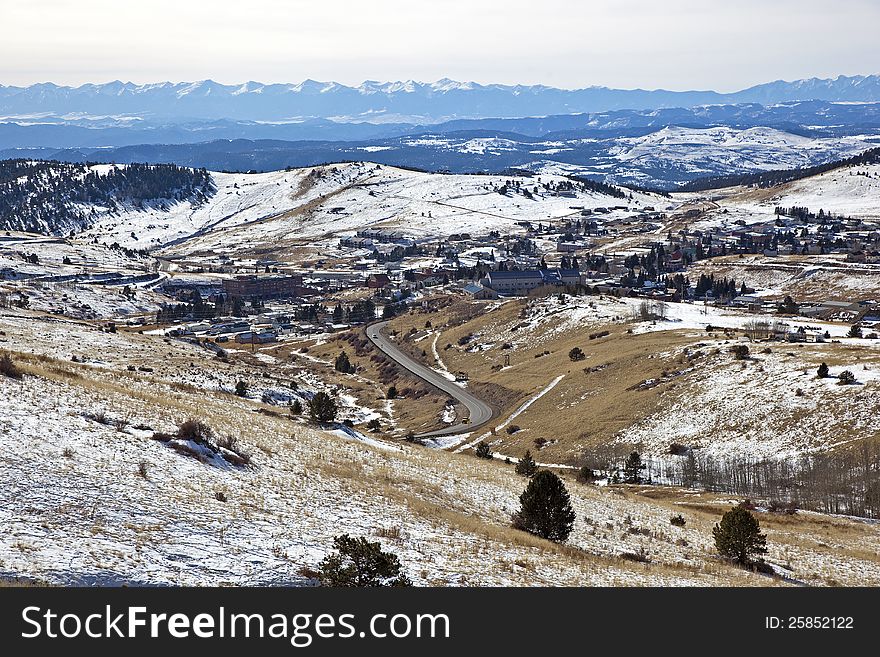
(479, 413)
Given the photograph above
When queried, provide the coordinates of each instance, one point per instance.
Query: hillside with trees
(778, 177)
(58, 198)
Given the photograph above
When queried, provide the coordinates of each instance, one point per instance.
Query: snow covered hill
(852, 191)
(319, 205)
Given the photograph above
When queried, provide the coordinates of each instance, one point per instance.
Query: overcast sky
(673, 44)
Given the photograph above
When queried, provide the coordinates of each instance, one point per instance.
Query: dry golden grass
(584, 409)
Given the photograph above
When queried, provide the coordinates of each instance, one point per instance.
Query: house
(480, 293)
(251, 337)
(378, 281)
(749, 302)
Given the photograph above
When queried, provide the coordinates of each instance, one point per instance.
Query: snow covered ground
(771, 405)
(850, 191)
(302, 205)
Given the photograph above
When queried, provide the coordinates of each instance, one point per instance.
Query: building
(255, 338)
(262, 287)
(517, 283)
(378, 281)
(514, 282)
(480, 293)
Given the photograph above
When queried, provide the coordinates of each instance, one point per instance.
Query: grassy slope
(88, 517)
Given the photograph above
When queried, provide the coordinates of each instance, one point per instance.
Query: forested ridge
(60, 197)
(780, 176)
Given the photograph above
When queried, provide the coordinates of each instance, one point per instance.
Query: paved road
(479, 413)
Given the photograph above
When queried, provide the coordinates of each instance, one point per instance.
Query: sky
(671, 44)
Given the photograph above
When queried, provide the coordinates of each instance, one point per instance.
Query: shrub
(512, 429)
(846, 378)
(358, 562)
(586, 475)
(739, 536)
(526, 466)
(196, 431)
(483, 450)
(220, 496)
(374, 424)
(576, 354)
(142, 469)
(392, 392)
(788, 508)
(322, 408)
(822, 371)
(740, 351)
(677, 521)
(9, 368)
(100, 417)
(545, 508)
(241, 389)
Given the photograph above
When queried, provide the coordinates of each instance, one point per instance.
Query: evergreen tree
(822, 372)
(241, 389)
(545, 508)
(855, 331)
(632, 469)
(296, 407)
(738, 536)
(483, 450)
(322, 407)
(343, 365)
(526, 466)
(392, 392)
(358, 562)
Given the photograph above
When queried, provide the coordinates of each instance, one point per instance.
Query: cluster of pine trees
(720, 288)
(48, 196)
(806, 215)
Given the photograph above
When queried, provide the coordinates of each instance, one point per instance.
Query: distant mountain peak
(411, 100)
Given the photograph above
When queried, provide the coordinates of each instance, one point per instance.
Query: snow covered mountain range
(375, 102)
(657, 139)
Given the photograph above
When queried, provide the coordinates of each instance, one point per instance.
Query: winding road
(479, 412)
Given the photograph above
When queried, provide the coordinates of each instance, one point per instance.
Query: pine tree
(526, 466)
(343, 365)
(296, 407)
(822, 372)
(632, 469)
(855, 331)
(738, 536)
(322, 408)
(358, 562)
(545, 508)
(241, 389)
(483, 450)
